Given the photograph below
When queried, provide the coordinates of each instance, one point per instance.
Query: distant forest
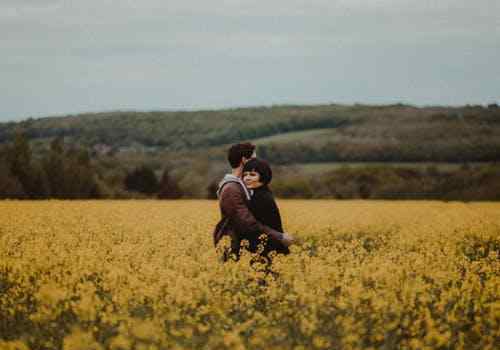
(182, 154)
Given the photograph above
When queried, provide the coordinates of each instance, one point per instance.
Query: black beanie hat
(260, 166)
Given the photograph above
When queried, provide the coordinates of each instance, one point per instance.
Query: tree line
(354, 133)
(60, 173)
(66, 172)
(465, 183)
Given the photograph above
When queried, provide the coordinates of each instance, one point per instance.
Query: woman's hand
(287, 239)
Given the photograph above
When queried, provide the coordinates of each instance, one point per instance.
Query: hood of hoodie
(232, 178)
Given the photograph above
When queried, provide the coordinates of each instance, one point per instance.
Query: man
(236, 219)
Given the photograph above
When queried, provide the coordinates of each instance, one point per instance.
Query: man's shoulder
(231, 187)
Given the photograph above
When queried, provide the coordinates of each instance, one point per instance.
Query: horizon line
(228, 108)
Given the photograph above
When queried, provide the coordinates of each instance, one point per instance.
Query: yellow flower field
(145, 275)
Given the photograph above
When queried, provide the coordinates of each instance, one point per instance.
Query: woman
(257, 175)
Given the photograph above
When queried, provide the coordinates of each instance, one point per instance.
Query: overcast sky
(64, 57)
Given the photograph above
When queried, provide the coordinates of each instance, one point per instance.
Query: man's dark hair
(238, 151)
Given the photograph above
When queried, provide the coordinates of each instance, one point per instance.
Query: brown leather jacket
(236, 219)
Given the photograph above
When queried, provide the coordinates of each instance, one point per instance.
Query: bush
(142, 179)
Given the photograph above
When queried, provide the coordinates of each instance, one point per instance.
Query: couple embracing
(248, 209)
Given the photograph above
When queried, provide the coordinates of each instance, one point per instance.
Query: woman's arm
(232, 202)
(266, 210)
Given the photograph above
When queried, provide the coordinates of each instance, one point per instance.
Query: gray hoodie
(232, 178)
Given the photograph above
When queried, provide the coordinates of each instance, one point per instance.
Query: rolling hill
(285, 134)
(328, 151)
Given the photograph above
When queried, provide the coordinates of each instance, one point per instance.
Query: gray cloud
(64, 56)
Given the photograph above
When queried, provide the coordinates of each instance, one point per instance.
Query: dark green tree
(53, 165)
(169, 189)
(80, 180)
(212, 190)
(142, 179)
(69, 173)
(21, 167)
(10, 187)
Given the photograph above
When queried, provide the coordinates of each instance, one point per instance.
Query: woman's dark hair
(236, 153)
(260, 166)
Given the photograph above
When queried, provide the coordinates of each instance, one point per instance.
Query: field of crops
(144, 275)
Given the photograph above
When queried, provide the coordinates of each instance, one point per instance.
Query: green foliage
(22, 172)
(142, 179)
(294, 187)
(19, 160)
(57, 174)
(478, 247)
(287, 134)
(69, 172)
(10, 187)
(168, 187)
(212, 189)
(177, 130)
(194, 144)
(385, 182)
